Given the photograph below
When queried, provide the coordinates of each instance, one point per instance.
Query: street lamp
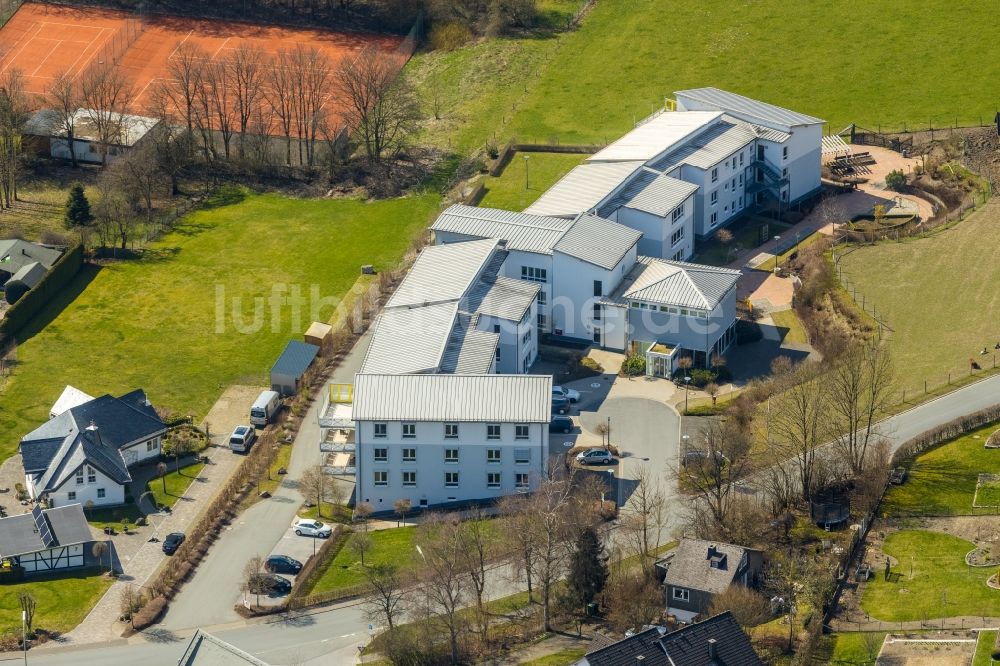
(687, 382)
(777, 241)
(24, 635)
(526, 172)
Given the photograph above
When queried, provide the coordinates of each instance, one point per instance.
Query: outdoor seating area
(852, 164)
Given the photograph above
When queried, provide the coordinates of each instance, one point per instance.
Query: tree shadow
(160, 635)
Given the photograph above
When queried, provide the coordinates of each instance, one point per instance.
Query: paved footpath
(101, 624)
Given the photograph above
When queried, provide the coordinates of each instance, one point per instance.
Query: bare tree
(548, 510)
(361, 543)
(749, 607)
(793, 578)
(107, 95)
(64, 99)
(633, 600)
(218, 86)
(253, 580)
(521, 540)
(280, 98)
(443, 577)
(402, 508)
(28, 604)
(247, 70)
(129, 602)
(173, 145)
(98, 550)
(714, 474)
(139, 176)
(316, 486)
(861, 386)
(14, 113)
(478, 549)
(113, 212)
(644, 517)
(186, 69)
(800, 422)
(386, 601)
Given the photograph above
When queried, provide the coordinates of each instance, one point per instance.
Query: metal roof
(675, 283)
(18, 535)
(30, 274)
(295, 359)
(598, 241)
(712, 146)
(48, 122)
(207, 650)
(768, 133)
(505, 298)
(442, 273)
(583, 188)
(656, 135)
(651, 192)
(747, 107)
(469, 350)
(478, 398)
(527, 233)
(410, 339)
(16, 253)
(69, 398)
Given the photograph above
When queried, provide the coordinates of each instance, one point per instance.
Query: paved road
(210, 596)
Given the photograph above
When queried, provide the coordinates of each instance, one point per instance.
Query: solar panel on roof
(42, 527)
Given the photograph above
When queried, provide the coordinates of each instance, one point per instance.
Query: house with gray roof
(46, 540)
(26, 260)
(697, 570)
(83, 454)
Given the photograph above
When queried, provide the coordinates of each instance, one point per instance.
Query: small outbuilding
(288, 370)
(46, 540)
(319, 334)
(46, 131)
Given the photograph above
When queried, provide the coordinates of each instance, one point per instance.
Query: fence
(115, 48)
(7, 9)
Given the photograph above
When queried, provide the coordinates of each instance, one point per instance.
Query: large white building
(682, 175)
(437, 439)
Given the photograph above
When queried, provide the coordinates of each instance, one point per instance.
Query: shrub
(449, 36)
(702, 377)
(895, 180)
(61, 274)
(634, 365)
(14, 290)
(594, 366)
(150, 613)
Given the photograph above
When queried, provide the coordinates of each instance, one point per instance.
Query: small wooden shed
(319, 334)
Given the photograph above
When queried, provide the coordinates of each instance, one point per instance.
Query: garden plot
(931, 651)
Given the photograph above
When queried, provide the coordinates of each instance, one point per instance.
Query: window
(533, 274)
(541, 297)
(741, 179)
(496, 328)
(91, 474)
(451, 455)
(598, 288)
(682, 594)
(784, 173)
(714, 219)
(409, 455)
(497, 355)
(451, 479)
(151, 445)
(784, 153)
(382, 478)
(382, 455)
(677, 236)
(741, 159)
(541, 321)
(380, 430)
(734, 161)
(715, 175)
(79, 476)
(521, 432)
(726, 186)
(493, 479)
(409, 430)
(521, 480)
(71, 495)
(677, 214)
(522, 456)
(451, 431)
(526, 337)
(597, 336)
(492, 431)
(715, 198)
(597, 312)
(679, 256)
(100, 493)
(726, 208)
(409, 479)
(493, 455)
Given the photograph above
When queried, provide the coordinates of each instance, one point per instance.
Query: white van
(264, 408)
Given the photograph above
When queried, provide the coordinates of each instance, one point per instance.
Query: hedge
(29, 305)
(947, 431)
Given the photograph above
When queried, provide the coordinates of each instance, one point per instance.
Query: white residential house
(438, 439)
(83, 454)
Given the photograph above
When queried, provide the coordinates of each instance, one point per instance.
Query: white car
(242, 438)
(313, 528)
(569, 394)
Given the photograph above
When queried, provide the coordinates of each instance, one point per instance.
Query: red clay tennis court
(44, 41)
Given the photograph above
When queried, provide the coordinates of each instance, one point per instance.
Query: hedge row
(950, 430)
(313, 569)
(61, 274)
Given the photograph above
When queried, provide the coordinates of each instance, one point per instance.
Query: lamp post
(526, 172)
(777, 241)
(24, 635)
(687, 382)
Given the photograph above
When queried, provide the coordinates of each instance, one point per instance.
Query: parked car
(313, 528)
(283, 564)
(242, 438)
(269, 583)
(595, 457)
(560, 405)
(173, 542)
(561, 424)
(897, 476)
(569, 394)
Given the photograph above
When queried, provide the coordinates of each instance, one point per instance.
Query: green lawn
(788, 320)
(561, 658)
(176, 482)
(942, 480)
(509, 191)
(62, 602)
(166, 323)
(112, 516)
(988, 494)
(748, 233)
(932, 580)
(393, 546)
(950, 277)
(984, 648)
(856, 648)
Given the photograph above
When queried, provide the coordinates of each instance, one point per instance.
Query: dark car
(269, 583)
(283, 564)
(173, 542)
(560, 405)
(561, 424)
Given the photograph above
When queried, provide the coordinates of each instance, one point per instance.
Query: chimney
(711, 552)
(93, 432)
(711, 648)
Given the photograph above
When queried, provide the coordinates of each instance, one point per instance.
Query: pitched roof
(410, 339)
(504, 298)
(16, 253)
(86, 446)
(656, 135)
(691, 645)
(675, 283)
(30, 274)
(69, 398)
(19, 536)
(295, 359)
(445, 397)
(762, 132)
(204, 649)
(691, 565)
(641, 648)
(650, 192)
(710, 147)
(469, 350)
(442, 273)
(48, 122)
(746, 107)
(583, 188)
(598, 241)
(523, 232)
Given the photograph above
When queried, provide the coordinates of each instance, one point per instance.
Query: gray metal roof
(207, 650)
(442, 273)
(768, 133)
(469, 350)
(504, 298)
(443, 397)
(583, 188)
(651, 192)
(598, 241)
(30, 274)
(690, 565)
(656, 135)
(527, 233)
(675, 283)
(710, 147)
(295, 359)
(48, 123)
(68, 526)
(16, 253)
(746, 107)
(410, 339)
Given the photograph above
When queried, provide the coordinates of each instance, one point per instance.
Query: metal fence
(7, 9)
(116, 46)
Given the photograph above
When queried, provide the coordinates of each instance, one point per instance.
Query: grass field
(988, 495)
(855, 648)
(942, 480)
(940, 585)
(512, 191)
(171, 322)
(940, 296)
(788, 320)
(176, 482)
(561, 658)
(394, 546)
(984, 648)
(62, 601)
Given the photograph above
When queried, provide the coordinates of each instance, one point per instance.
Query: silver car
(313, 528)
(595, 457)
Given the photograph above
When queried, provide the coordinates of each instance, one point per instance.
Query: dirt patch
(230, 410)
(944, 651)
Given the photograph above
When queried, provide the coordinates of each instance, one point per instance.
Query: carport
(291, 365)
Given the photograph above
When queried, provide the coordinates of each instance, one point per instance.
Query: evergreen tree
(588, 571)
(78, 208)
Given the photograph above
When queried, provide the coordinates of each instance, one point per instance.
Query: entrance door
(661, 366)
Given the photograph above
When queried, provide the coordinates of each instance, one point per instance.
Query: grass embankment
(62, 600)
(524, 180)
(394, 546)
(212, 303)
(789, 323)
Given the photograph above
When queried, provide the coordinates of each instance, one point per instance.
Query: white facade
(87, 486)
(52, 559)
(578, 287)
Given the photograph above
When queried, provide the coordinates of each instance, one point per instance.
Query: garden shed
(287, 371)
(319, 334)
